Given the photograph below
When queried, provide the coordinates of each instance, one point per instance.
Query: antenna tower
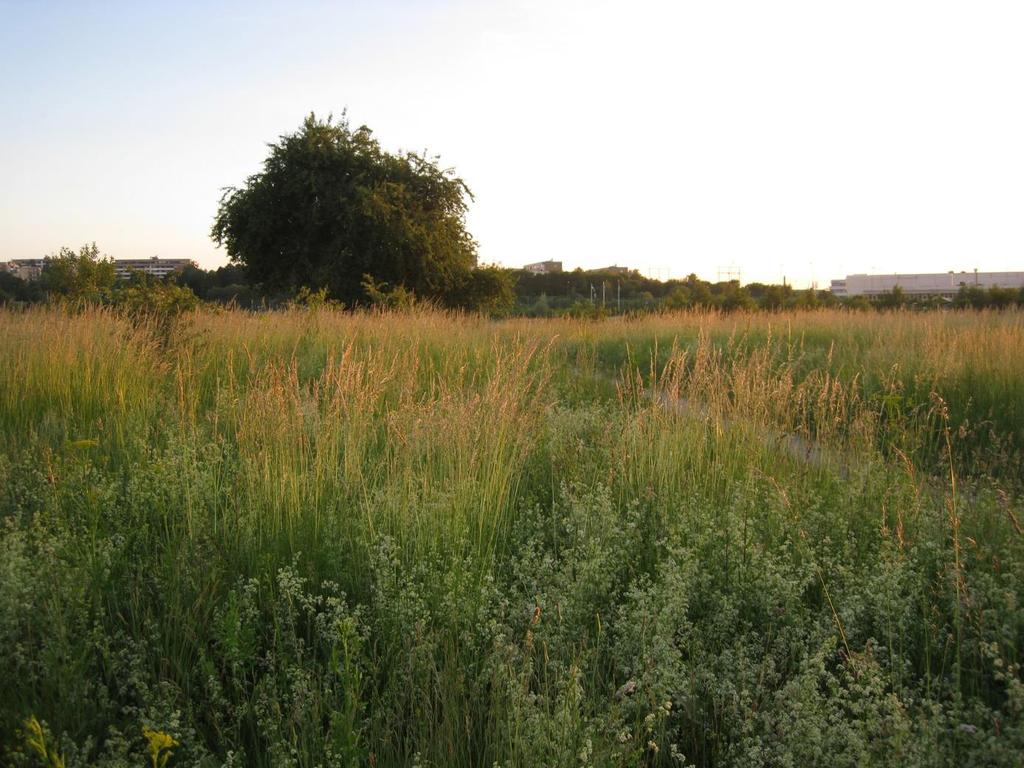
(725, 274)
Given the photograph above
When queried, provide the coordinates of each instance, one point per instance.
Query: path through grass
(317, 538)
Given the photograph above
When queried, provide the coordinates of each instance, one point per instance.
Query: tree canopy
(331, 209)
(84, 276)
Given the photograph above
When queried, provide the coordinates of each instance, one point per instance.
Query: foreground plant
(325, 538)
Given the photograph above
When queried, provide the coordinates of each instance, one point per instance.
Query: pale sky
(805, 139)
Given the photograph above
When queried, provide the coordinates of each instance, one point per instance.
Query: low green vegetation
(85, 277)
(322, 538)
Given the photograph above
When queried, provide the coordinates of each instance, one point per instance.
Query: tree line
(616, 292)
(332, 217)
(86, 277)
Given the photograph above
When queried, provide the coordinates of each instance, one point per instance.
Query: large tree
(331, 207)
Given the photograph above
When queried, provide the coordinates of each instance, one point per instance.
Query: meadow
(318, 538)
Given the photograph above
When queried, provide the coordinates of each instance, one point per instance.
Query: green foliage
(225, 285)
(380, 294)
(85, 279)
(307, 299)
(485, 289)
(629, 292)
(14, 291)
(79, 278)
(331, 206)
(893, 299)
(424, 538)
(994, 297)
(146, 296)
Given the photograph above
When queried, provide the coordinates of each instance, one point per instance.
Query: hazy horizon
(792, 140)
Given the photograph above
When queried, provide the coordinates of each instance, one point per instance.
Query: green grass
(318, 538)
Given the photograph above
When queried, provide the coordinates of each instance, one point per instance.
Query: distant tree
(774, 297)
(486, 289)
(927, 302)
(891, 299)
(805, 299)
(82, 277)
(732, 297)
(970, 296)
(225, 285)
(699, 291)
(146, 295)
(678, 299)
(330, 206)
(1001, 298)
(828, 299)
(14, 290)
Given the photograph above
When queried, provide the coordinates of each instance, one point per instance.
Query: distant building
(614, 269)
(945, 284)
(154, 266)
(544, 267)
(32, 269)
(26, 269)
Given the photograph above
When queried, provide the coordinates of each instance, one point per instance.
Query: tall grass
(319, 538)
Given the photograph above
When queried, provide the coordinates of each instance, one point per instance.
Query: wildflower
(160, 746)
(586, 752)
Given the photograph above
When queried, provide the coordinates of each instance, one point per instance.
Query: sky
(796, 140)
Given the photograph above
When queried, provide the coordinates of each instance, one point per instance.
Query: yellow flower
(160, 746)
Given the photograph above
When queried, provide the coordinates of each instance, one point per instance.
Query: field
(315, 538)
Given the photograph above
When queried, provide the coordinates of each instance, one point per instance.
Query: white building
(946, 284)
(154, 266)
(544, 267)
(32, 269)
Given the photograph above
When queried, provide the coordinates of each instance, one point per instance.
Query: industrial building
(944, 284)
